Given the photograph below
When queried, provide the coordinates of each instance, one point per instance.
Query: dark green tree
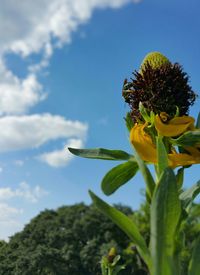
(73, 239)
(70, 240)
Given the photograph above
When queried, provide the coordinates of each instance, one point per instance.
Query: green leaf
(104, 265)
(101, 153)
(177, 111)
(190, 194)
(125, 224)
(190, 138)
(129, 122)
(195, 211)
(117, 269)
(194, 266)
(148, 178)
(161, 156)
(180, 177)
(198, 121)
(152, 117)
(165, 216)
(144, 113)
(118, 176)
(116, 260)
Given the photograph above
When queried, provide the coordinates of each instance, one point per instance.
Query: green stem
(156, 173)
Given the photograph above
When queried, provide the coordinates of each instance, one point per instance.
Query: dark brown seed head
(160, 89)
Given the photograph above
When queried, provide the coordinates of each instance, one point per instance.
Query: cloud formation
(59, 158)
(17, 96)
(31, 30)
(9, 220)
(27, 28)
(9, 215)
(32, 131)
(23, 191)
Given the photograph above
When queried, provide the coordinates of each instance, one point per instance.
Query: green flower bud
(155, 60)
(160, 86)
(111, 254)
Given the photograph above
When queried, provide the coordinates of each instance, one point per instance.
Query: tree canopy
(72, 240)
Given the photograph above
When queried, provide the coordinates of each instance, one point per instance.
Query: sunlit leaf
(129, 122)
(144, 113)
(198, 121)
(161, 156)
(194, 266)
(180, 177)
(125, 224)
(190, 138)
(190, 194)
(118, 176)
(165, 215)
(101, 153)
(148, 178)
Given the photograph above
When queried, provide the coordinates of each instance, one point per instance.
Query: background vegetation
(72, 240)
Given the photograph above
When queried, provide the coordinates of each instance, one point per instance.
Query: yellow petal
(175, 127)
(142, 143)
(194, 151)
(181, 159)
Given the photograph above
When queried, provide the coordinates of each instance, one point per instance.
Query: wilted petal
(142, 143)
(181, 159)
(175, 127)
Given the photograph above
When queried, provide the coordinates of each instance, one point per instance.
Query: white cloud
(31, 195)
(9, 215)
(8, 211)
(9, 222)
(26, 29)
(61, 157)
(23, 132)
(29, 29)
(18, 95)
(6, 193)
(23, 191)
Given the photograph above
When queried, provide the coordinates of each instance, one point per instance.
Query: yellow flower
(142, 143)
(175, 127)
(145, 147)
(182, 159)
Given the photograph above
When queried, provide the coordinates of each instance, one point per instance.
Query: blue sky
(61, 75)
